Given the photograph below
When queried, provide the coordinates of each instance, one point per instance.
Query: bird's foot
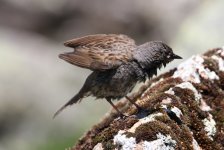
(141, 111)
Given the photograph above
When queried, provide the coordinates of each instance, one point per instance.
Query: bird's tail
(74, 100)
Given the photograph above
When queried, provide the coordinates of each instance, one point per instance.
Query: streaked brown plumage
(117, 64)
(100, 52)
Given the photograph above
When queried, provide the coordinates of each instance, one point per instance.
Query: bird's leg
(141, 111)
(119, 112)
(136, 105)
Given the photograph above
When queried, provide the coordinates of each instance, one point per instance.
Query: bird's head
(167, 54)
(154, 54)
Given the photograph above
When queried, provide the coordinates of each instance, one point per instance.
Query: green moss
(130, 122)
(211, 64)
(184, 99)
(163, 118)
(109, 145)
(149, 130)
(221, 76)
(129, 134)
(108, 133)
(105, 135)
(219, 138)
(165, 85)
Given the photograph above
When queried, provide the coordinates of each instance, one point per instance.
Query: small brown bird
(117, 64)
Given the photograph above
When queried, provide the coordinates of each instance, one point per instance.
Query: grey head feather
(152, 54)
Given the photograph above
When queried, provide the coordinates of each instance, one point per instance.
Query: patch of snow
(192, 69)
(162, 142)
(220, 62)
(210, 126)
(126, 143)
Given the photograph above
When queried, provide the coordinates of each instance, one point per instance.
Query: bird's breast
(115, 83)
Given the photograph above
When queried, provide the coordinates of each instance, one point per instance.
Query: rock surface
(186, 108)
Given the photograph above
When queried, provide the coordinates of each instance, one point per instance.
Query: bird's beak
(176, 56)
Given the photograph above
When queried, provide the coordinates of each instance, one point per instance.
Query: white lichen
(195, 145)
(188, 85)
(98, 146)
(220, 62)
(167, 100)
(204, 106)
(129, 143)
(144, 120)
(163, 106)
(192, 69)
(163, 142)
(170, 91)
(126, 143)
(198, 97)
(207, 74)
(209, 124)
(177, 111)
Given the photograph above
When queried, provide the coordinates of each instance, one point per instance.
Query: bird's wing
(100, 51)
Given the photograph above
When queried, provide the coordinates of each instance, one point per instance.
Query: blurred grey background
(34, 82)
